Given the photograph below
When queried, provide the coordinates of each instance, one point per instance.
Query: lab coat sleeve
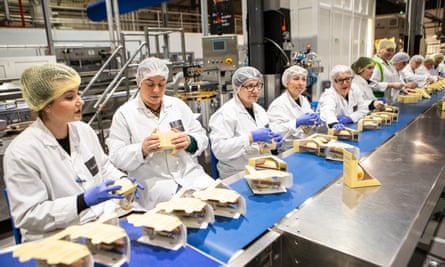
(193, 127)
(327, 108)
(280, 122)
(225, 145)
(123, 154)
(362, 106)
(377, 77)
(28, 196)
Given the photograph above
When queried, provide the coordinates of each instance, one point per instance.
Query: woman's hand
(151, 144)
(181, 140)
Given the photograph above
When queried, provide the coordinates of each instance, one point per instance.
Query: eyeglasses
(250, 88)
(345, 80)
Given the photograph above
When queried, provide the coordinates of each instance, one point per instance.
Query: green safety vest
(382, 77)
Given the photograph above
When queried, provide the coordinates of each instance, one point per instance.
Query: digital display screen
(219, 45)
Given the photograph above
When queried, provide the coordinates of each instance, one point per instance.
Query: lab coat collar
(49, 139)
(292, 101)
(166, 105)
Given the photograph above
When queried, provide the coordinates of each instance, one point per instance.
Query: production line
(329, 215)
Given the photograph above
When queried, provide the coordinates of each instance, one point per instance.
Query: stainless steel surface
(378, 225)
(221, 52)
(262, 246)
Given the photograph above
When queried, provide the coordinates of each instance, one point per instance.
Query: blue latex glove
(278, 138)
(343, 119)
(382, 99)
(339, 126)
(308, 119)
(139, 186)
(101, 193)
(262, 135)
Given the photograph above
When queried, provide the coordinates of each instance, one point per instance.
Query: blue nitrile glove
(139, 186)
(278, 138)
(339, 126)
(262, 135)
(307, 119)
(382, 99)
(101, 193)
(343, 119)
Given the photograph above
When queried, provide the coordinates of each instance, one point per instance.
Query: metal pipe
(280, 49)
(49, 34)
(117, 21)
(22, 13)
(118, 75)
(7, 15)
(106, 100)
(100, 71)
(204, 18)
(165, 24)
(108, 6)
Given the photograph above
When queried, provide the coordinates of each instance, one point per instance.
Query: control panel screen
(219, 45)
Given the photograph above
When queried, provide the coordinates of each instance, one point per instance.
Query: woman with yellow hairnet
(385, 75)
(56, 172)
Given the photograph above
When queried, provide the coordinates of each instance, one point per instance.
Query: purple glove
(307, 119)
(278, 139)
(262, 135)
(339, 126)
(101, 193)
(343, 119)
(139, 186)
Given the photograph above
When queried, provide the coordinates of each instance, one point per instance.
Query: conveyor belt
(225, 238)
(141, 254)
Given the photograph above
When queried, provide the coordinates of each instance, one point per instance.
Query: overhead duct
(97, 11)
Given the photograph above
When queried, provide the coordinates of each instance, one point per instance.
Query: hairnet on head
(416, 58)
(338, 69)
(151, 67)
(400, 57)
(244, 74)
(291, 71)
(41, 84)
(438, 57)
(428, 59)
(384, 44)
(361, 64)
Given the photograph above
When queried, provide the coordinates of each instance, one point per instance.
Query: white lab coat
(230, 127)
(366, 88)
(410, 75)
(41, 179)
(283, 112)
(159, 172)
(331, 104)
(390, 74)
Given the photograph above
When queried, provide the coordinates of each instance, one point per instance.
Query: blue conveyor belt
(311, 173)
(141, 254)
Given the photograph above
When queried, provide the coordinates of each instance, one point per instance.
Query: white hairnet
(338, 69)
(151, 67)
(291, 71)
(41, 84)
(244, 74)
(416, 58)
(400, 57)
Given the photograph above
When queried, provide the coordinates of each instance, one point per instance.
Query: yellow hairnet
(41, 84)
(384, 43)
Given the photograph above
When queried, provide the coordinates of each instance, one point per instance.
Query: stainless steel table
(375, 226)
